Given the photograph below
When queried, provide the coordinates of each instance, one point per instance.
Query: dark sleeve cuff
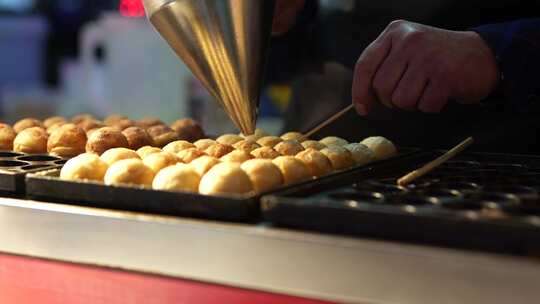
(516, 46)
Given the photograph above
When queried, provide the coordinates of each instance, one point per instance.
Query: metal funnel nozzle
(224, 43)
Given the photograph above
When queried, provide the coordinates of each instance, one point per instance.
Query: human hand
(413, 66)
(285, 15)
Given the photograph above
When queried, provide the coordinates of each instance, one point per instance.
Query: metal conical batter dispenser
(224, 43)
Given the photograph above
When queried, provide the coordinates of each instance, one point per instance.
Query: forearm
(516, 46)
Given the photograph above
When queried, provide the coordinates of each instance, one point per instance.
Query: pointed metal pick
(224, 43)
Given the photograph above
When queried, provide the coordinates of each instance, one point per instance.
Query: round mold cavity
(517, 190)
(8, 154)
(416, 200)
(359, 196)
(445, 172)
(34, 167)
(505, 168)
(38, 158)
(462, 163)
(495, 198)
(460, 186)
(455, 179)
(12, 163)
(464, 205)
(440, 193)
(387, 190)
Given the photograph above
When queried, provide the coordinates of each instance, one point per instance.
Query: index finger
(364, 72)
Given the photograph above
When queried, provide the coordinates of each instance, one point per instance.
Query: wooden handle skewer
(407, 179)
(328, 121)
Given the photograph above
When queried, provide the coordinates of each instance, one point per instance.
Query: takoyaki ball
(203, 164)
(77, 119)
(289, 147)
(160, 160)
(189, 155)
(31, 140)
(313, 144)
(124, 124)
(265, 153)
(293, 136)
(148, 122)
(137, 137)
(67, 141)
(90, 124)
(7, 135)
(381, 147)
(177, 146)
(340, 157)
(203, 144)
(86, 166)
(229, 139)
(114, 155)
(188, 129)
(269, 141)
(219, 150)
(361, 154)
(26, 123)
(263, 173)
(162, 135)
(177, 178)
(237, 156)
(225, 179)
(129, 172)
(292, 169)
(114, 118)
(317, 162)
(104, 139)
(143, 152)
(47, 123)
(334, 141)
(246, 145)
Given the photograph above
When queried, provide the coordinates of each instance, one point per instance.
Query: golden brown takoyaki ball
(7, 135)
(114, 118)
(246, 145)
(313, 144)
(219, 150)
(158, 161)
(26, 123)
(293, 136)
(77, 119)
(318, 163)
(289, 147)
(129, 171)
(203, 144)
(188, 129)
(225, 179)
(137, 137)
(237, 156)
(361, 154)
(256, 135)
(381, 147)
(86, 166)
(147, 150)
(162, 135)
(31, 140)
(263, 173)
(90, 124)
(189, 155)
(56, 126)
(104, 139)
(334, 141)
(292, 169)
(148, 122)
(47, 123)
(203, 164)
(269, 141)
(123, 124)
(229, 139)
(340, 157)
(265, 153)
(67, 141)
(179, 177)
(114, 155)
(177, 146)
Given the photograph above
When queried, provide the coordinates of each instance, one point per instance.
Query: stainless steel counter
(305, 264)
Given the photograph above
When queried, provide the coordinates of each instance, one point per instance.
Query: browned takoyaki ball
(137, 138)
(246, 145)
(7, 135)
(265, 153)
(188, 129)
(90, 124)
(26, 123)
(148, 122)
(162, 135)
(219, 150)
(113, 118)
(317, 162)
(289, 147)
(31, 140)
(47, 123)
(67, 141)
(189, 155)
(104, 139)
(77, 119)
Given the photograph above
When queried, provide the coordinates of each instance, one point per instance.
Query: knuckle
(396, 24)
(414, 37)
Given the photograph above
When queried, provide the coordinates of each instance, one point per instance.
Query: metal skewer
(409, 178)
(328, 121)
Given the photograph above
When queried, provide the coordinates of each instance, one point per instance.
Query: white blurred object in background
(140, 75)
